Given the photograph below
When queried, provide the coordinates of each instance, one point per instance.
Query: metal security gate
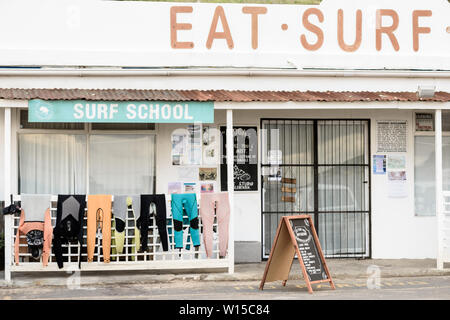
(320, 168)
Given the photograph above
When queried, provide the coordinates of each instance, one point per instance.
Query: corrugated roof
(213, 95)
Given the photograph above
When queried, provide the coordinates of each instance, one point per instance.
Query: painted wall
(126, 33)
(348, 83)
(14, 158)
(395, 229)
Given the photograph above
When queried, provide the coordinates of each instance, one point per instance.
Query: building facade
(343, 132)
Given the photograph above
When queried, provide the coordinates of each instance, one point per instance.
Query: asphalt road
(434, 288)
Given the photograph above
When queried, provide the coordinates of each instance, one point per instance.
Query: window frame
(87, 132)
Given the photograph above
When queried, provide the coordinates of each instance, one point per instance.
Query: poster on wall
(379, 164)
(190, 187)
(245, 151)
(210, 138)
(207, 187)
(195, 144)
(187, 146)
(396, 162)
(397, 186)
(178, 149)
(424, 122)
(174, 187)
(391, 136)
(206, 174)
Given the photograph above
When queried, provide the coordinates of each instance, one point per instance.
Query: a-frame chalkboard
(296, 235)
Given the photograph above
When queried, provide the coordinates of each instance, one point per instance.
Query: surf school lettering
(103, 111)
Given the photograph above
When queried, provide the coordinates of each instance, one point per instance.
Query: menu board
(245, 152)
(308, 249)
(296, 236)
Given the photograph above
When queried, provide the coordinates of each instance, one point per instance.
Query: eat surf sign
(337, 34)
(120, 112)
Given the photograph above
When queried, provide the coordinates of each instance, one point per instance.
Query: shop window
(121, 164)
(24, 124)
(424, 173)
(52, 163)
(123, 126)
(58, 163)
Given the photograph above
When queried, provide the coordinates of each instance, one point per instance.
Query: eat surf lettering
(385, 26)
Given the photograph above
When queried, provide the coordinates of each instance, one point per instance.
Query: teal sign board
(120, 111)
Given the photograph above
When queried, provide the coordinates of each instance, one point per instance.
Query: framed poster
(391, 135)
(210, 142)
(424, 122)
(245, 158)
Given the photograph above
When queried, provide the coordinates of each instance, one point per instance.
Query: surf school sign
(120, 112)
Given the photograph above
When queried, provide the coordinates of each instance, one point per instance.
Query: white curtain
(121, 164)
(52, 163)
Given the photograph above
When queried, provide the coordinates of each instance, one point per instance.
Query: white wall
(348, 83)
(396, 231)
(138, 33)
(247, 204)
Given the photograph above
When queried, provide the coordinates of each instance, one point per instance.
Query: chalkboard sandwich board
(296, 235)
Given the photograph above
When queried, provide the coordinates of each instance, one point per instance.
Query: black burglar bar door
(320, 168)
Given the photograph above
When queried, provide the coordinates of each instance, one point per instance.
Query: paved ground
(339, 269)
(435, 287)
(354, 279)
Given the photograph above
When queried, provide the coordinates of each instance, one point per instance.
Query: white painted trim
(7, 191)
(6, 103)
(230, 185)
(315, 105)
(126, 265)
(438, 185)
(118, 72)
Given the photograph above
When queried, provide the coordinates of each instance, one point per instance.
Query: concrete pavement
(339, 269)
(411, 288)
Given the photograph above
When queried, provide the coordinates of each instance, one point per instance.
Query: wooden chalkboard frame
(283, 252)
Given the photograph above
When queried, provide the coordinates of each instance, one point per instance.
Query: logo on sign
(44, 111)
(302, 234)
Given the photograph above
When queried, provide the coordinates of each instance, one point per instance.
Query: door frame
(315, 174)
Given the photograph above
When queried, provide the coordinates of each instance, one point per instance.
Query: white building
(345, 98)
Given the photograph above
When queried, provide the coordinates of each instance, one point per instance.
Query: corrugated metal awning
(214, 95)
